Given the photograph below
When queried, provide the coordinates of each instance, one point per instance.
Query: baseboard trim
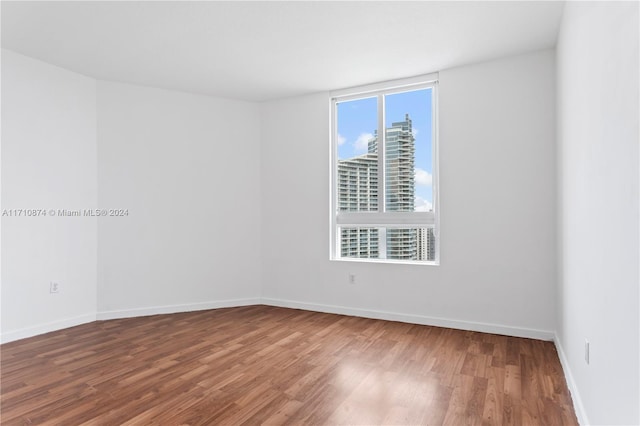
(48, 327)
(414, 319)
(578, 407)
(333, 309)
(172, 309)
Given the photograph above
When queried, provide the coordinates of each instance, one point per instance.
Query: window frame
(382, 218)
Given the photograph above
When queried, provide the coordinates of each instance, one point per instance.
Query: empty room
(320, 213)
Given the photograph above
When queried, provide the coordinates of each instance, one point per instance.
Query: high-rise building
(400, 165)
(358, 191)
(358, 183)
(426, 244)
(400, 187)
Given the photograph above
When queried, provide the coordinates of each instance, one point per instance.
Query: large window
(384, 201)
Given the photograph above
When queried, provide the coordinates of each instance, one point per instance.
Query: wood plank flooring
(266, 365)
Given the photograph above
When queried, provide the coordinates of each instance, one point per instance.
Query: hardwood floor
(267, 365)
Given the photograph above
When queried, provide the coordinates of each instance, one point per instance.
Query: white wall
(497, 157)
(187, 169)
(48, 162)
(598, 208)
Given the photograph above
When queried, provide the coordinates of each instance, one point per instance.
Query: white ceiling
(267, 50)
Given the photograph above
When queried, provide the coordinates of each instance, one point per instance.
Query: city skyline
(358, 191)
(358, 122)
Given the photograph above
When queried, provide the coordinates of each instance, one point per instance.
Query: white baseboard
(578, 407)
(172, 309)
(415, 319)
(343, 310)
(23, 333)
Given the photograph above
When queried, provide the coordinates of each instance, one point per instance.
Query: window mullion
(382, 187)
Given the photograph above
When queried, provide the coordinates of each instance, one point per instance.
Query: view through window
(384, 174)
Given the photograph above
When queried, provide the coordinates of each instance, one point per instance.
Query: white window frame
(383, 218)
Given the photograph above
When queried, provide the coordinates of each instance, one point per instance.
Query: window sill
(386, 261)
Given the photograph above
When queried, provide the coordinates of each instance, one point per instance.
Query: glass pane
(357, 176)
(411, 244)
(409, 164)
(401, 243)
(359, 242)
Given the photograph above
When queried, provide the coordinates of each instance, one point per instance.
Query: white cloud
(423, 177)
(414, 131)
(362, 143)
(341, 139)
(422, 205)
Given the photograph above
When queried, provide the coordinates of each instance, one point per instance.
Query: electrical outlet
(54, 287)
(352, 278)
(586, 351)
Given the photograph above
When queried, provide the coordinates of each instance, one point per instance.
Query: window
(384, 200)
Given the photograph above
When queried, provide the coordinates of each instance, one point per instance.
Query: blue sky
(357, 121)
